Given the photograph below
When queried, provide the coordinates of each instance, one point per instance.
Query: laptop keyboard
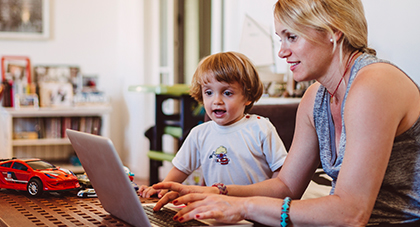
(164, 218)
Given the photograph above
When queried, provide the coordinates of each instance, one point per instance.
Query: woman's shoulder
(308, 99)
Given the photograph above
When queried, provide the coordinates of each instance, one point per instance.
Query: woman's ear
(337, 36)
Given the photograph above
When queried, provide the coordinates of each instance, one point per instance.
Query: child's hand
(147, 192)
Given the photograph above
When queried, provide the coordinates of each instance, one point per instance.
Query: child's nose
(217, 100)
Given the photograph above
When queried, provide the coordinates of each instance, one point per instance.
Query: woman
(360, 119)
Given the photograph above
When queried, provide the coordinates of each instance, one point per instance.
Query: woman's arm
(297, 171)
(301, 162)
(374, 115)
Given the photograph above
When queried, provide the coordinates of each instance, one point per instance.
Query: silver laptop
(112, 186)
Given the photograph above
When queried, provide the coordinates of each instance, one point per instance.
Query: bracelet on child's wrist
(222, 188)
(284, 217)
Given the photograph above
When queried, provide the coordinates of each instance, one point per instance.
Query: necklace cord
(345, 71)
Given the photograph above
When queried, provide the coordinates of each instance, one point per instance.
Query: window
(7, 164)
(19, 166)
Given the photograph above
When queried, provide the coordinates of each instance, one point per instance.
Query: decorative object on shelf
(16, 79)
(89, 83)
(53, 94)
(27, 100)
(89, 93)
(59, 74)
(25, 19)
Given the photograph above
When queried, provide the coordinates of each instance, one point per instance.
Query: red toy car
(35, 176)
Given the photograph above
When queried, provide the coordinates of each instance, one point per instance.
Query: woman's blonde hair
(346, 16)
(228, 67)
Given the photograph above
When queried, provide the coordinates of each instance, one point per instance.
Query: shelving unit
(176, 125)
(45, 148)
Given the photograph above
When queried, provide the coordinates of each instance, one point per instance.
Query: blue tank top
(399, 197)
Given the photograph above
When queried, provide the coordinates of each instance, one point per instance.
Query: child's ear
(248, 103)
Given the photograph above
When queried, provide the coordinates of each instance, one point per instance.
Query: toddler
(235, 147)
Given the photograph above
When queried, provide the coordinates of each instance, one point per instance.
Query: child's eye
(228, 93)
(208, 92)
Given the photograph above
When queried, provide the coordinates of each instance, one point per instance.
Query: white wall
(117, 40)
(394, 31)
(105, 38)
(393, 28)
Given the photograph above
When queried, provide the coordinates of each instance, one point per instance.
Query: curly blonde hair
(228, 67)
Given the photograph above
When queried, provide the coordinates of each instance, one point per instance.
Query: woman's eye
(292, 37)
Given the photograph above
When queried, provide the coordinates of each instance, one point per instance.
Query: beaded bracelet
(284, 218)
(222, 188)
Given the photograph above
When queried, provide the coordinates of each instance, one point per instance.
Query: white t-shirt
(246, 152)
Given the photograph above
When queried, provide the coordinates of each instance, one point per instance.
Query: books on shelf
(54, 127)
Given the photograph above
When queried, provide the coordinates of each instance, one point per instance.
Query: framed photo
(54, 94)
(21, 19)
(28, 100)
(89, 83)
(60, 74)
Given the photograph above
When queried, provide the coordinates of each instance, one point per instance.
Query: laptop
(104, 168)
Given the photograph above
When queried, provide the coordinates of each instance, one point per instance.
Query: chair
(282, 116)
(177, 125)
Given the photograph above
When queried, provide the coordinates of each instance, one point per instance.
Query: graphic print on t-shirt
(220, 155)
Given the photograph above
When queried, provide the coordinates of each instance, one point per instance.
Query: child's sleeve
(274, 149)
(187, 158)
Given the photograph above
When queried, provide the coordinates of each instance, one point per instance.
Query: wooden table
(18, 209)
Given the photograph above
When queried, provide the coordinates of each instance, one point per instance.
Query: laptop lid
(104, 169)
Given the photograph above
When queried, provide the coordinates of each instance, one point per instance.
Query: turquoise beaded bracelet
(284, 218)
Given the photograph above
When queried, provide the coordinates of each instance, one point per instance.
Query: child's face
(224, 103)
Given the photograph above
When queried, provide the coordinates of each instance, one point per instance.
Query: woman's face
(308, 59)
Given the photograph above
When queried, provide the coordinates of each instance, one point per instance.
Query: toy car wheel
(34, 187)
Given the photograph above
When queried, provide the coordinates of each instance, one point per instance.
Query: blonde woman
(360, 119)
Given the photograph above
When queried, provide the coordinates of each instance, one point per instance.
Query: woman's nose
(284, 52)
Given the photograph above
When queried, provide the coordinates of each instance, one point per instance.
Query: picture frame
(56, 94)
(28, 101)
(26, 20)
(58, 73)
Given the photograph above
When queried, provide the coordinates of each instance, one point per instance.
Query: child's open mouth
(219, 112)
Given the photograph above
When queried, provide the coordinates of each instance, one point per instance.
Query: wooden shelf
(55, 148)
(40, 142)
(59, 111)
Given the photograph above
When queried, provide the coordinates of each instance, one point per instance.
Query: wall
(104, 38)
(394, 32)
(117, 40)
(392, 26)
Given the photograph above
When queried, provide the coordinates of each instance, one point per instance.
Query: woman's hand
(222, 208)
(177, 189)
